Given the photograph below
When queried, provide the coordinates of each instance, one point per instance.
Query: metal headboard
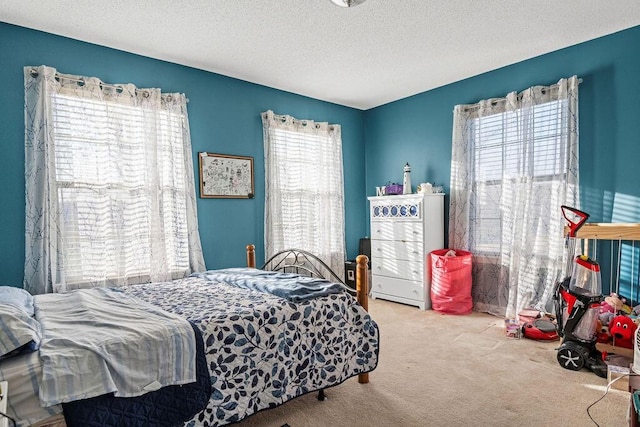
(301, 262)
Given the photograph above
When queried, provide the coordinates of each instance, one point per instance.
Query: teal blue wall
(418, 129)
(224, 116)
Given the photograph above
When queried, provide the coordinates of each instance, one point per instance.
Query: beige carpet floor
(445, 370)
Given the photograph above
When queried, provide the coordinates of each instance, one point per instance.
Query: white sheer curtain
(110, 194)
(304, 201)
(514, 163)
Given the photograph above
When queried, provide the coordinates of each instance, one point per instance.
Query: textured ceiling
(362, 57)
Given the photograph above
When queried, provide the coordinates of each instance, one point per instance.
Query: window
(514, 163)
(503, 156)
(105, 191)
(304, 202)
(120, 196)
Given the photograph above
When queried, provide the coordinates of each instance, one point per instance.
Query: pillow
(18, 298)
(19, 330)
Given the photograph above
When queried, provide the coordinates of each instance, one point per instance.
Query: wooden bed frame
(614, 232)
(299, 265)
(608, 231)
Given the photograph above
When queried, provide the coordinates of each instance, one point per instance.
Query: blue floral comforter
(263, 350)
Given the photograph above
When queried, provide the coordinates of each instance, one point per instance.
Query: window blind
(107, 192)
(309, 184)
(304, 202)
(515, 149)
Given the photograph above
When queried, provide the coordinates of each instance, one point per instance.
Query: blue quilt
(292, 287)
(168, 406)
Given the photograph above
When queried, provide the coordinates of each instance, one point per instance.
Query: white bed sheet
(23, 373)
(101, 340)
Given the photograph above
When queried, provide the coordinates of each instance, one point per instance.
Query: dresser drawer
(396, 249)
(397, 287)
(397, 230)
(400, 269)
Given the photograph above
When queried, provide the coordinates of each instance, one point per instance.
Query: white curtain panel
(304, 196)
(110, 193)
(514, 163)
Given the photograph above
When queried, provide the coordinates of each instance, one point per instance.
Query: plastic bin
(451, 281)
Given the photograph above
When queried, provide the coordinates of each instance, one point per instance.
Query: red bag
(451, 282)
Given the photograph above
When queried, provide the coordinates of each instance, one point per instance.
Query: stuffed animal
(605, 318)
(622, 330)
(602, 334)
(612, 304)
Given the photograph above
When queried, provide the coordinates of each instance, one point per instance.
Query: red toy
(541, 329)
(537, 326)
(602, 332)
(622, 330)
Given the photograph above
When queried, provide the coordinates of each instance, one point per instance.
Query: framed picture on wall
(225, 176)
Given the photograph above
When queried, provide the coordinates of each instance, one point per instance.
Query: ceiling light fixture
(347, 3)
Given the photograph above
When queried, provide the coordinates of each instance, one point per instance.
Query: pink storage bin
(451, 282)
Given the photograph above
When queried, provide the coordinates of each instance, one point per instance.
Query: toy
(603, 331)
(512, 327)
(612, 304)
(622, 330)
(605, 318)
(537, 325)
(541, 329)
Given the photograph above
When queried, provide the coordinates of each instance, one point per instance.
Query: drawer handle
(415, 232)
(403, 241)
(378, 249)
(414, 291)
(415, 272)
(416, 252)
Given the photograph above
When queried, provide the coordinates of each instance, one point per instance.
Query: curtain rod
(503, 99)
(118, 87)
(283, 118)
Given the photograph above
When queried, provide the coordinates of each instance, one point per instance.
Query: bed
(262, 347)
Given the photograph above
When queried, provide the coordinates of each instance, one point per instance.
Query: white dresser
(404, 229)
